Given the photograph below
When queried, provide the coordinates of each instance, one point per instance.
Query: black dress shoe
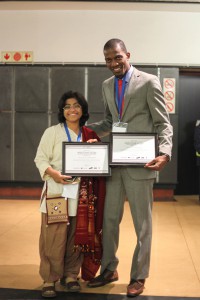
(106, 277)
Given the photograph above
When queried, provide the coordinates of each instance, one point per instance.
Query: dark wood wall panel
(29, 128)
(96, 76)
(150, 70)
(5, 146)
(169, 174)
(6, 89)
(31, 89)
(64, 79)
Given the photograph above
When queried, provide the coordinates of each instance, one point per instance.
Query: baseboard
(33, 191)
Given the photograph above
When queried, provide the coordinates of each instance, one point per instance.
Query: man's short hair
(112, 43)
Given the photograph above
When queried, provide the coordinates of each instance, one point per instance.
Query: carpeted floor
(16, 294)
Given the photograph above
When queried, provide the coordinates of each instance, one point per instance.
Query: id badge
(119, 127)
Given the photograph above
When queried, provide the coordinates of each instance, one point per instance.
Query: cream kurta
(49, 154)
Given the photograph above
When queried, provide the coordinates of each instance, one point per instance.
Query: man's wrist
(165, 154)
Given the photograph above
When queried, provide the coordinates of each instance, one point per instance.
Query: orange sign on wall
(17, 56)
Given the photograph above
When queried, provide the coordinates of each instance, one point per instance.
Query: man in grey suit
(138, 108)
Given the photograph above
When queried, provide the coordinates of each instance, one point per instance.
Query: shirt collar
(128, 75)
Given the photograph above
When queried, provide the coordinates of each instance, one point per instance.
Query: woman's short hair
(80, 99)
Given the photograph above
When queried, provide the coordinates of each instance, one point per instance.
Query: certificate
(133, 148)
(85, 159)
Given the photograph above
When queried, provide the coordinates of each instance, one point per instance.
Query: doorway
(189, 113)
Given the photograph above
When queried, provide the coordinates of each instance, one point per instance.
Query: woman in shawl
(74, 244)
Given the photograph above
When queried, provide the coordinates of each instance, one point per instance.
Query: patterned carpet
(16, 294)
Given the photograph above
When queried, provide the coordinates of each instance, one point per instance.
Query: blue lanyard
(68, 134)
(119, 98)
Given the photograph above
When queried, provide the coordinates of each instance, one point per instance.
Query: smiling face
(72, 111)
(117, 60)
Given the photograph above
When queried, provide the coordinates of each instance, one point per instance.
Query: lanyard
(68, 134)
(119, 98)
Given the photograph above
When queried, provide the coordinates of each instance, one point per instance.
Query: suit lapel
(132, 85)
(111, 96)
(110, 92)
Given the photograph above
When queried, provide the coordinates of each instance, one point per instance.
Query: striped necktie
(120, 81)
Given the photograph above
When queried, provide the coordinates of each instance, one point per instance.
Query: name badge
(119, 127)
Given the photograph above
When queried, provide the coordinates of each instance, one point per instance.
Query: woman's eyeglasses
(75, 106)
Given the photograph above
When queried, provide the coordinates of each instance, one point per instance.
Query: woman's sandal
(73, 286)
(49, 291)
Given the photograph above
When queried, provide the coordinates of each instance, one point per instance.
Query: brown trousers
(57, 255)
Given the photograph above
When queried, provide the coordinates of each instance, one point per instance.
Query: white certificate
(86, 159)
(133, 148)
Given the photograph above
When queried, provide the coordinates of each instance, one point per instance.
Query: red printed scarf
(90, 218)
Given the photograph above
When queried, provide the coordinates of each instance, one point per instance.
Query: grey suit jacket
(144, 111)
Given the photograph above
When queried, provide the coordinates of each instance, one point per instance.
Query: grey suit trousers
(140, 196)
